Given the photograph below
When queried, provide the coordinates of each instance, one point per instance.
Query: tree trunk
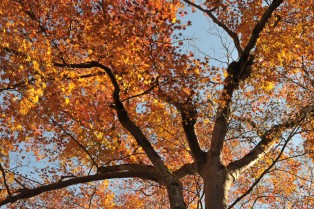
(217, 183)
(175, 193)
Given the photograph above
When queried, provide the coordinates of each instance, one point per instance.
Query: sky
(207, 39)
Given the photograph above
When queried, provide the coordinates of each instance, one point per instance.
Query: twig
(76, 141)
(144, 92)
(232, 34)
(5, 181)
(22, 185)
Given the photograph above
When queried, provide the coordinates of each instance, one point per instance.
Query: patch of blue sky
(206, 39)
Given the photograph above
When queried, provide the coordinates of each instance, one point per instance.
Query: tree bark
(175, 194)
(217, 182)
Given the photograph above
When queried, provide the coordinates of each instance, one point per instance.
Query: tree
(95, 90)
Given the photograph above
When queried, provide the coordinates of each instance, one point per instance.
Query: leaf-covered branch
(128, 124)
(123, 117)
(293, 132)
(259, 28)
(268, 139)
(174, 186)
(122, 171)
(76, 141)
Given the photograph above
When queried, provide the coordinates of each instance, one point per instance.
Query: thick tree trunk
(175, 193)
(217, 183)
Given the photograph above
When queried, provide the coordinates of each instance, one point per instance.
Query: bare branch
(186, 169)
(91, 198)
(232, 34)
(22, 185)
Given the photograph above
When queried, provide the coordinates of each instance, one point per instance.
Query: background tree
(94, 90)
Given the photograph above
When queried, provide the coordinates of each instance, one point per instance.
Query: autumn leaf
(153, 103)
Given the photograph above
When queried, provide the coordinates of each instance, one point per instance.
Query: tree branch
(188, 113)
(186, 169)
(173, 185)
(152, 173)
(123, 117)
(189, 116)
(124, 171)
(79, 65)
(268, 139)
(269, 167)
(129, 125)
(147, 172)
(259, 28)
(144, 92)
(237, 71)
(76, 141)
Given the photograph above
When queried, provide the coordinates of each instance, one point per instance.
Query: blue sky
(207, 38)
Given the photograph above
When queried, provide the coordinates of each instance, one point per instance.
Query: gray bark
(217, 182)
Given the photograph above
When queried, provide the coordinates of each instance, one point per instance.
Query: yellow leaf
(36, 65)
(71, 86)
(174, 20)
(35, 99)
(269, 86)
(99, 135)
(67, 101)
